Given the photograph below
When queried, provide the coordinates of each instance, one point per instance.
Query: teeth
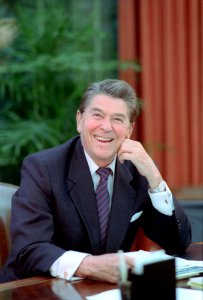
(102, 139)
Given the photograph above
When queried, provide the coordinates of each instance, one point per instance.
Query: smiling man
(81, 202)
(103, 126)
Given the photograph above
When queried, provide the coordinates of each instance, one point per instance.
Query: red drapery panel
(166, 37)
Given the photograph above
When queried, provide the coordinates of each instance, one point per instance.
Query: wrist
(160, 188)
(85, 268)
(154, 180)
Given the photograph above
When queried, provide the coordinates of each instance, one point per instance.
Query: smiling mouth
(103, 139)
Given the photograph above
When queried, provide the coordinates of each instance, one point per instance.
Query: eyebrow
(95, 109)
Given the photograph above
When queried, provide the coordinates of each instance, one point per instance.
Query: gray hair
(114, 88)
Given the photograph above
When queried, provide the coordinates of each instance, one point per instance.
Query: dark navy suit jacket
(54, 210)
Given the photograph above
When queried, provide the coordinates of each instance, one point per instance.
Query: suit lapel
(81, 191)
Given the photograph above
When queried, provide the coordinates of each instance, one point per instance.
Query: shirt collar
(93, 166)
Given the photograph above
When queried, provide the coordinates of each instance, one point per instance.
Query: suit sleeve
(32, 227)
(172, 233)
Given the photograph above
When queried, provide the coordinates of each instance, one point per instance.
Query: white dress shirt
(66, 265)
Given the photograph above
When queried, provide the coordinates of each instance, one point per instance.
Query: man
(55, 223)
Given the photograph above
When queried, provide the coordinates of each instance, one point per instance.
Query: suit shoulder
(54, 153)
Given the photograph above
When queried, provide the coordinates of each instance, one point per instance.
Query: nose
(106, 124)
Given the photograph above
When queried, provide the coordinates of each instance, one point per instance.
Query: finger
(121, 158)
(130, 261)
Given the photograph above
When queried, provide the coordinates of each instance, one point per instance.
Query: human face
(103, 126)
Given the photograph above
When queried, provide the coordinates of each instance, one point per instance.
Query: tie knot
(104, 172)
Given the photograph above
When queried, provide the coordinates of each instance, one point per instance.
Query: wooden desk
(52, 288)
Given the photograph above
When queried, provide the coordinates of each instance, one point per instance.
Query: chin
(105, 160)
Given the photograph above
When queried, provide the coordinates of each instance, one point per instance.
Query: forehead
(108, 103)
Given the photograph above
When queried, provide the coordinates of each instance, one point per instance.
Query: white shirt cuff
(163, 201)
(66, 265)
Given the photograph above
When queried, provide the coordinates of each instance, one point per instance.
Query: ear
(130, 130)
(78, 121)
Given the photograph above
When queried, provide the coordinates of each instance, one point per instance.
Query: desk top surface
(53, 288)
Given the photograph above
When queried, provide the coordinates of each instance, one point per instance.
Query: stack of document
(196, 283)
(188, 268)
(184, 268)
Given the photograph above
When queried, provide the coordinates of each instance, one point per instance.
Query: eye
(96, 115)
(118, 120)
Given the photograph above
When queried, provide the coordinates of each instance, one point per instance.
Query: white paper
(181, 294)
(112, 294)
(196, 283)
(187, 294)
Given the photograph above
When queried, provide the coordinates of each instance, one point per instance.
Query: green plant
(43, 74)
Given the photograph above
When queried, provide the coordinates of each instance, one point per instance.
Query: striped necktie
(102, 197)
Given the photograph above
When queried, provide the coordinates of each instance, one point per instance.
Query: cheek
(91, 124)
(122, 132)
(87, 126)
(128, 131)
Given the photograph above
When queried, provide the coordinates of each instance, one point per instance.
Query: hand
(135, 152)
(102, 267)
